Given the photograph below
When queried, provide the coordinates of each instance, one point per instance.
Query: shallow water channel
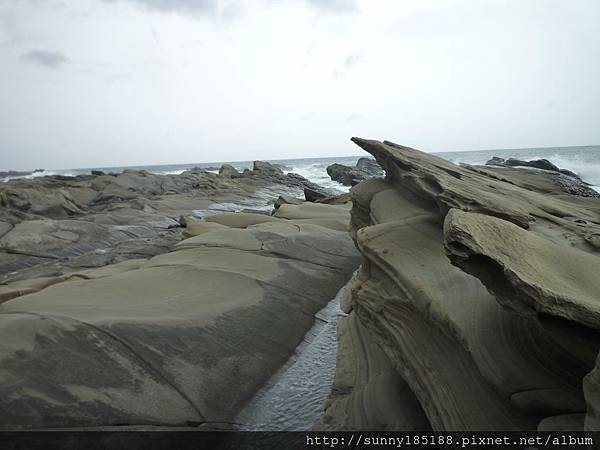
(294, 398)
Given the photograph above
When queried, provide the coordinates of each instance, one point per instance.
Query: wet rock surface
(184, 338)
(543, 164)
(365, 169)
(475, 307)
(52, 224)
(18, 173)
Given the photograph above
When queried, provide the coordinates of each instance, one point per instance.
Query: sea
(585, 161)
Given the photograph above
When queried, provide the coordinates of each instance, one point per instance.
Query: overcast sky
(87, 83)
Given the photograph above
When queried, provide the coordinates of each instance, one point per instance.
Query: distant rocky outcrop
(350, 176)
(265, 167)
(477, 305)
(16, 173)
(55, 224)
(227, 170)
(543, 164)
(569, 181)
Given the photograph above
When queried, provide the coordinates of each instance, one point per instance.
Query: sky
(90, 83)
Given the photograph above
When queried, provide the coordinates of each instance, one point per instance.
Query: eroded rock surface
(50, 225)
(181, 339)
(477, 289)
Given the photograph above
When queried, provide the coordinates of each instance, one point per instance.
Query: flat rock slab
(186, 337)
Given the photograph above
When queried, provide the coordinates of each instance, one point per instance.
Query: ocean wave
(317, 173)
(584, 161)
(169, 172)
(589, 171)
(43, 173)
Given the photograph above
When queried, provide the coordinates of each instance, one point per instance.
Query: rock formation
(543, 164)
(55, 224)
(18, 173)
(227, 170)
(477, 305)
(181, 339)
(365, 169)
(569, 181)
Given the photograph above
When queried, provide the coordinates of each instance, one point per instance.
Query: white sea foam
(584, 161)
(171, 172)
(589, 171)
(44, 173)
(317, 173)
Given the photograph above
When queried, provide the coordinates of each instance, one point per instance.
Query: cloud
(309, 116)
(177, 6)
(232, 9)
(350, 61)
(46, 58)
(354, 116)
(334, 5)
(330, 6)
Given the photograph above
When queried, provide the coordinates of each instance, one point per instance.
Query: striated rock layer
(181, 339)
(56, 224)
(477, 303)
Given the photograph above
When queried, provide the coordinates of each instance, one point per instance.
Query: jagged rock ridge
(478, 285)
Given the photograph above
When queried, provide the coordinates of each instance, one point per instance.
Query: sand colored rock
(520, 266)
(368, 394)
(196, 228)
(167, 341)
(477, 284)
(240, 220)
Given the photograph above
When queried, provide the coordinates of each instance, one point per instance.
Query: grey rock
(265, 167)
(227, 170)
(543, 164)
(186, 337)
(365, 169)
(17, 173)
(5, 227)
(287, 200)
(312, 195)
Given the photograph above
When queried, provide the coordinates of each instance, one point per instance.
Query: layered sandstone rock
(50, 225)
(478, 291)
(181, 339)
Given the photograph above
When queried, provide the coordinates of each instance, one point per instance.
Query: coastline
(174, 333)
